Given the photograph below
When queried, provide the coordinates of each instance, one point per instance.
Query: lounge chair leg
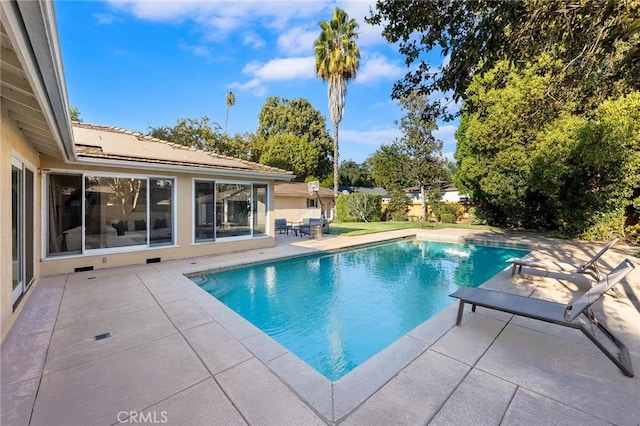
(623, 361)
(473, 308)
(460, 310)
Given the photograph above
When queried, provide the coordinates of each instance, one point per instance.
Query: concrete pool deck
(176, 355)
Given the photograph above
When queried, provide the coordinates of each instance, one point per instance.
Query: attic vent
(83, 269)
(153, 260)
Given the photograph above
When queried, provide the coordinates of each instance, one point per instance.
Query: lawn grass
(361, 228)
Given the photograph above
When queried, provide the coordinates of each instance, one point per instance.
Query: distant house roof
(376, 190)
(298, 189)
(446, 186)
(351, 189)
(117, 146)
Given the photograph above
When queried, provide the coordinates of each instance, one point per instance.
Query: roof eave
(253, 174)
(33, 27)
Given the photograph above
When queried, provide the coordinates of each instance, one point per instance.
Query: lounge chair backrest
(598, 255)
(281, 223)
(575, 308)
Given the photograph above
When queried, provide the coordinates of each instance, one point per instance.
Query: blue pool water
(335, 311)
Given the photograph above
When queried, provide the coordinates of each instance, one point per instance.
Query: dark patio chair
(282, 226)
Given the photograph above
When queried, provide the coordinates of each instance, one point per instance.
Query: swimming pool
(336, 310)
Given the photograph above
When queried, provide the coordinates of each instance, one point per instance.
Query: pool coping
(335, 400)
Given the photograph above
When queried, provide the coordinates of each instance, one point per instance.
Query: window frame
(26, 227)
(106, 250)
(251, 220)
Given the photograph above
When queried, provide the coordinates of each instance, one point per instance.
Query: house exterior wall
(294, 208)
(183, 232)
(13, 143)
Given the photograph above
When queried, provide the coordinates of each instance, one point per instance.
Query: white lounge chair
(590, 268)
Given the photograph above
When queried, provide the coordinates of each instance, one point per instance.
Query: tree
(231, 101)
(204, 135)
(535, 163)
(495, 138)
(426, 167)
(596, 41)
(389, 167)
(354, 174)
(337, 61)
(292, 133)
(74, 114)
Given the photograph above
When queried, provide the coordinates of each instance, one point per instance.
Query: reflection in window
(233, 206)
(259, 209)
(204, 218)
(112, 206)
(65, 214)
(160, 213)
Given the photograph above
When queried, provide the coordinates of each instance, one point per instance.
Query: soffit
(18, 100)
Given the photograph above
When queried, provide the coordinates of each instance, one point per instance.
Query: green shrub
(358, 207)
(447, 218)
(447, 213)
(398, 206)
(605, 227)
(477, 216)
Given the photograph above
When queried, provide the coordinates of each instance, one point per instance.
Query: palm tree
(231, 101)
(337, 60)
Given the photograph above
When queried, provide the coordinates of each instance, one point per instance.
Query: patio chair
(576, 314)
(590, 268)
(282, 226)
(308, 225)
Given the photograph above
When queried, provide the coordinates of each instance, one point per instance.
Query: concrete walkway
(172, 354)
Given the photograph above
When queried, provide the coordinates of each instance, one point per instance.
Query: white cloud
(368, 35)
(253, 40)
(297, 41)
(376, 68)
(218, 18)
(104, 18)
(372, 137)
(196, 50)
(284, 69)
(254, 85)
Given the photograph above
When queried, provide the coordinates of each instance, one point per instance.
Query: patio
(175, 355)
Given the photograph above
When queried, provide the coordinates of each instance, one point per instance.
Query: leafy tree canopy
(426, 164)
(74, 114)
(535, 163)
(354, 174)
(597, 42)
(302, 129)
(206, 135)
(389, 167)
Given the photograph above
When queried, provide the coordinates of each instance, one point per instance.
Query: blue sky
(135, 64)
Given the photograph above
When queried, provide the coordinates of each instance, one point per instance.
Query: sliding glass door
(22, 233)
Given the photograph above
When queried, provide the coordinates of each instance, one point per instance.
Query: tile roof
(298, 189)
(106, 142)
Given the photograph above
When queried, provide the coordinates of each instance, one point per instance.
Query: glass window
(65, 214)
(204, 212)
(160, 213)
(312, 203)
(259, 209)
(112, 205)
(233, 208)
